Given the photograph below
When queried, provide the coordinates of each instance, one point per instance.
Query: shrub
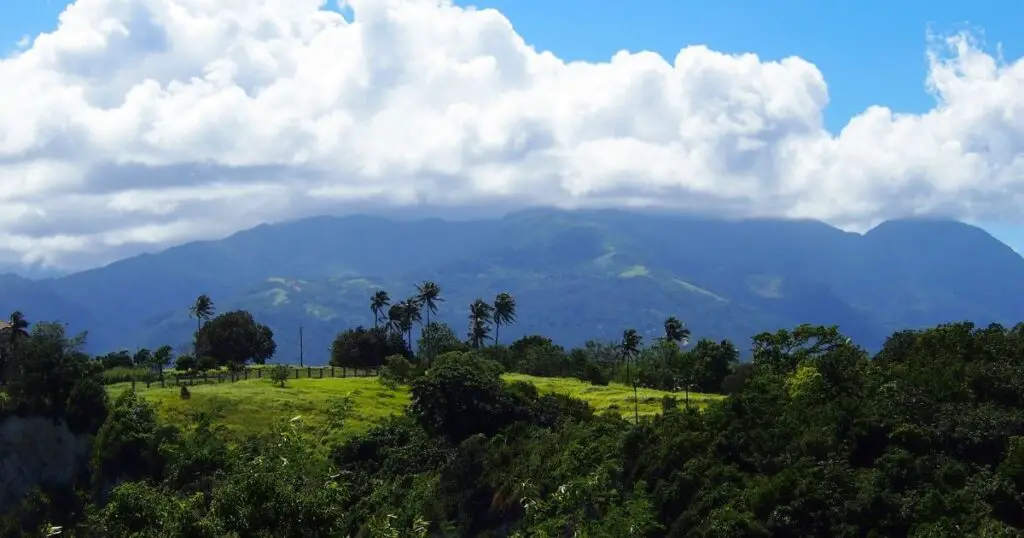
(279, 374)
(593, 374)
(185, 393)
(396, 371)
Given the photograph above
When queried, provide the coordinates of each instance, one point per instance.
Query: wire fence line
(175, 378)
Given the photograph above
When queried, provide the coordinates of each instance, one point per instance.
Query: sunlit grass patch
(615, 396)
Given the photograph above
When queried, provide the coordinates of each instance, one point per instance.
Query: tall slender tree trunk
(497, 329)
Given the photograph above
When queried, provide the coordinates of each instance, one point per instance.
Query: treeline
(233, 339)
(818, 439)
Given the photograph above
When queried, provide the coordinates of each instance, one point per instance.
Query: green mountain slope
(576, 275)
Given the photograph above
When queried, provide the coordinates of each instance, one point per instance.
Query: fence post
(296, 373)
(332, 371)
(246, 374)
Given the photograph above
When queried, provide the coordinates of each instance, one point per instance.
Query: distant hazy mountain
(575, 275)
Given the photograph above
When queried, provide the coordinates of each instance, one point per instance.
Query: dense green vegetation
(815, 438)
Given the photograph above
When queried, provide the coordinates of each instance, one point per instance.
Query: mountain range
(576, 275)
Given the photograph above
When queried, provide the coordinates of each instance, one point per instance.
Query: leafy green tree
(366, 348)
(479, 322)
(504, 312)
(50, 363)
(428, 294)
(630, 350)
(162, 358)
(395, 371)
(234, 338)
(127, 446)
(186, 363)
(437, 338)
(143, 358)
(379, 302)
(459, 397)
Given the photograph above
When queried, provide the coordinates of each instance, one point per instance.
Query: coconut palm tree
(202, 310)
(479, 322)
(12, 332)
(504, 312)
(630, 351)
(428, 295)
(676, 332)
(378, 303)
(410, 315)
(393, 323)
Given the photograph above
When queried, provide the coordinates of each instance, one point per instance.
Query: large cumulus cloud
(141, 123)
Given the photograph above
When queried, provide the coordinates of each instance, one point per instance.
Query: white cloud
(141, 123)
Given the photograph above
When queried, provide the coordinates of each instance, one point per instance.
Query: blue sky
(870, 51)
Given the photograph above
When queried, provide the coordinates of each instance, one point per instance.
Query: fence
(258, 372)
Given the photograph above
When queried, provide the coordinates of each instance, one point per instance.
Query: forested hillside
(579, 275)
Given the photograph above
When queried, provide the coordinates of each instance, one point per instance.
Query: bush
(87, 406)
(396, 371)
(593, 374)
(185, 393)
(460, 397)
(279, 373)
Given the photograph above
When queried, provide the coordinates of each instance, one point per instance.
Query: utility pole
(300, 346)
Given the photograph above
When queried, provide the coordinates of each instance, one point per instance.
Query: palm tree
(676, 332)
(630, 350)
(428, 295)
(201, 310)
(479, 322)
(378, 303)
(12, 333)
(410, 315)
(504, 312)
(394, 319)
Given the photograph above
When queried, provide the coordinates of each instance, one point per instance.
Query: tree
(142, 358)
(378, 302)
(437, 338)
(630, 350)
(676, 332)
(202, 310)
(428, 294)
(394, 320)
(409, 314)
(479, 322)
(162, 357)
(12, 333)
(235, 338)
(366, 348)
(504, 312)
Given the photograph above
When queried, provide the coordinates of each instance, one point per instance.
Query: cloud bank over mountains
(143, 123)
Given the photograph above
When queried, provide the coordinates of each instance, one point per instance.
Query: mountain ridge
(576, 275)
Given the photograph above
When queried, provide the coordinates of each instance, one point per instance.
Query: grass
(614, 396)
(256, 405)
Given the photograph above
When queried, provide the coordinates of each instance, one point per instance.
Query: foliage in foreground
(925, 439)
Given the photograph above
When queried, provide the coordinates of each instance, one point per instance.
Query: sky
(132, 125)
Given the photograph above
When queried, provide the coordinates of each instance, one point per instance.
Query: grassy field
(615, 396)
(256, 405)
